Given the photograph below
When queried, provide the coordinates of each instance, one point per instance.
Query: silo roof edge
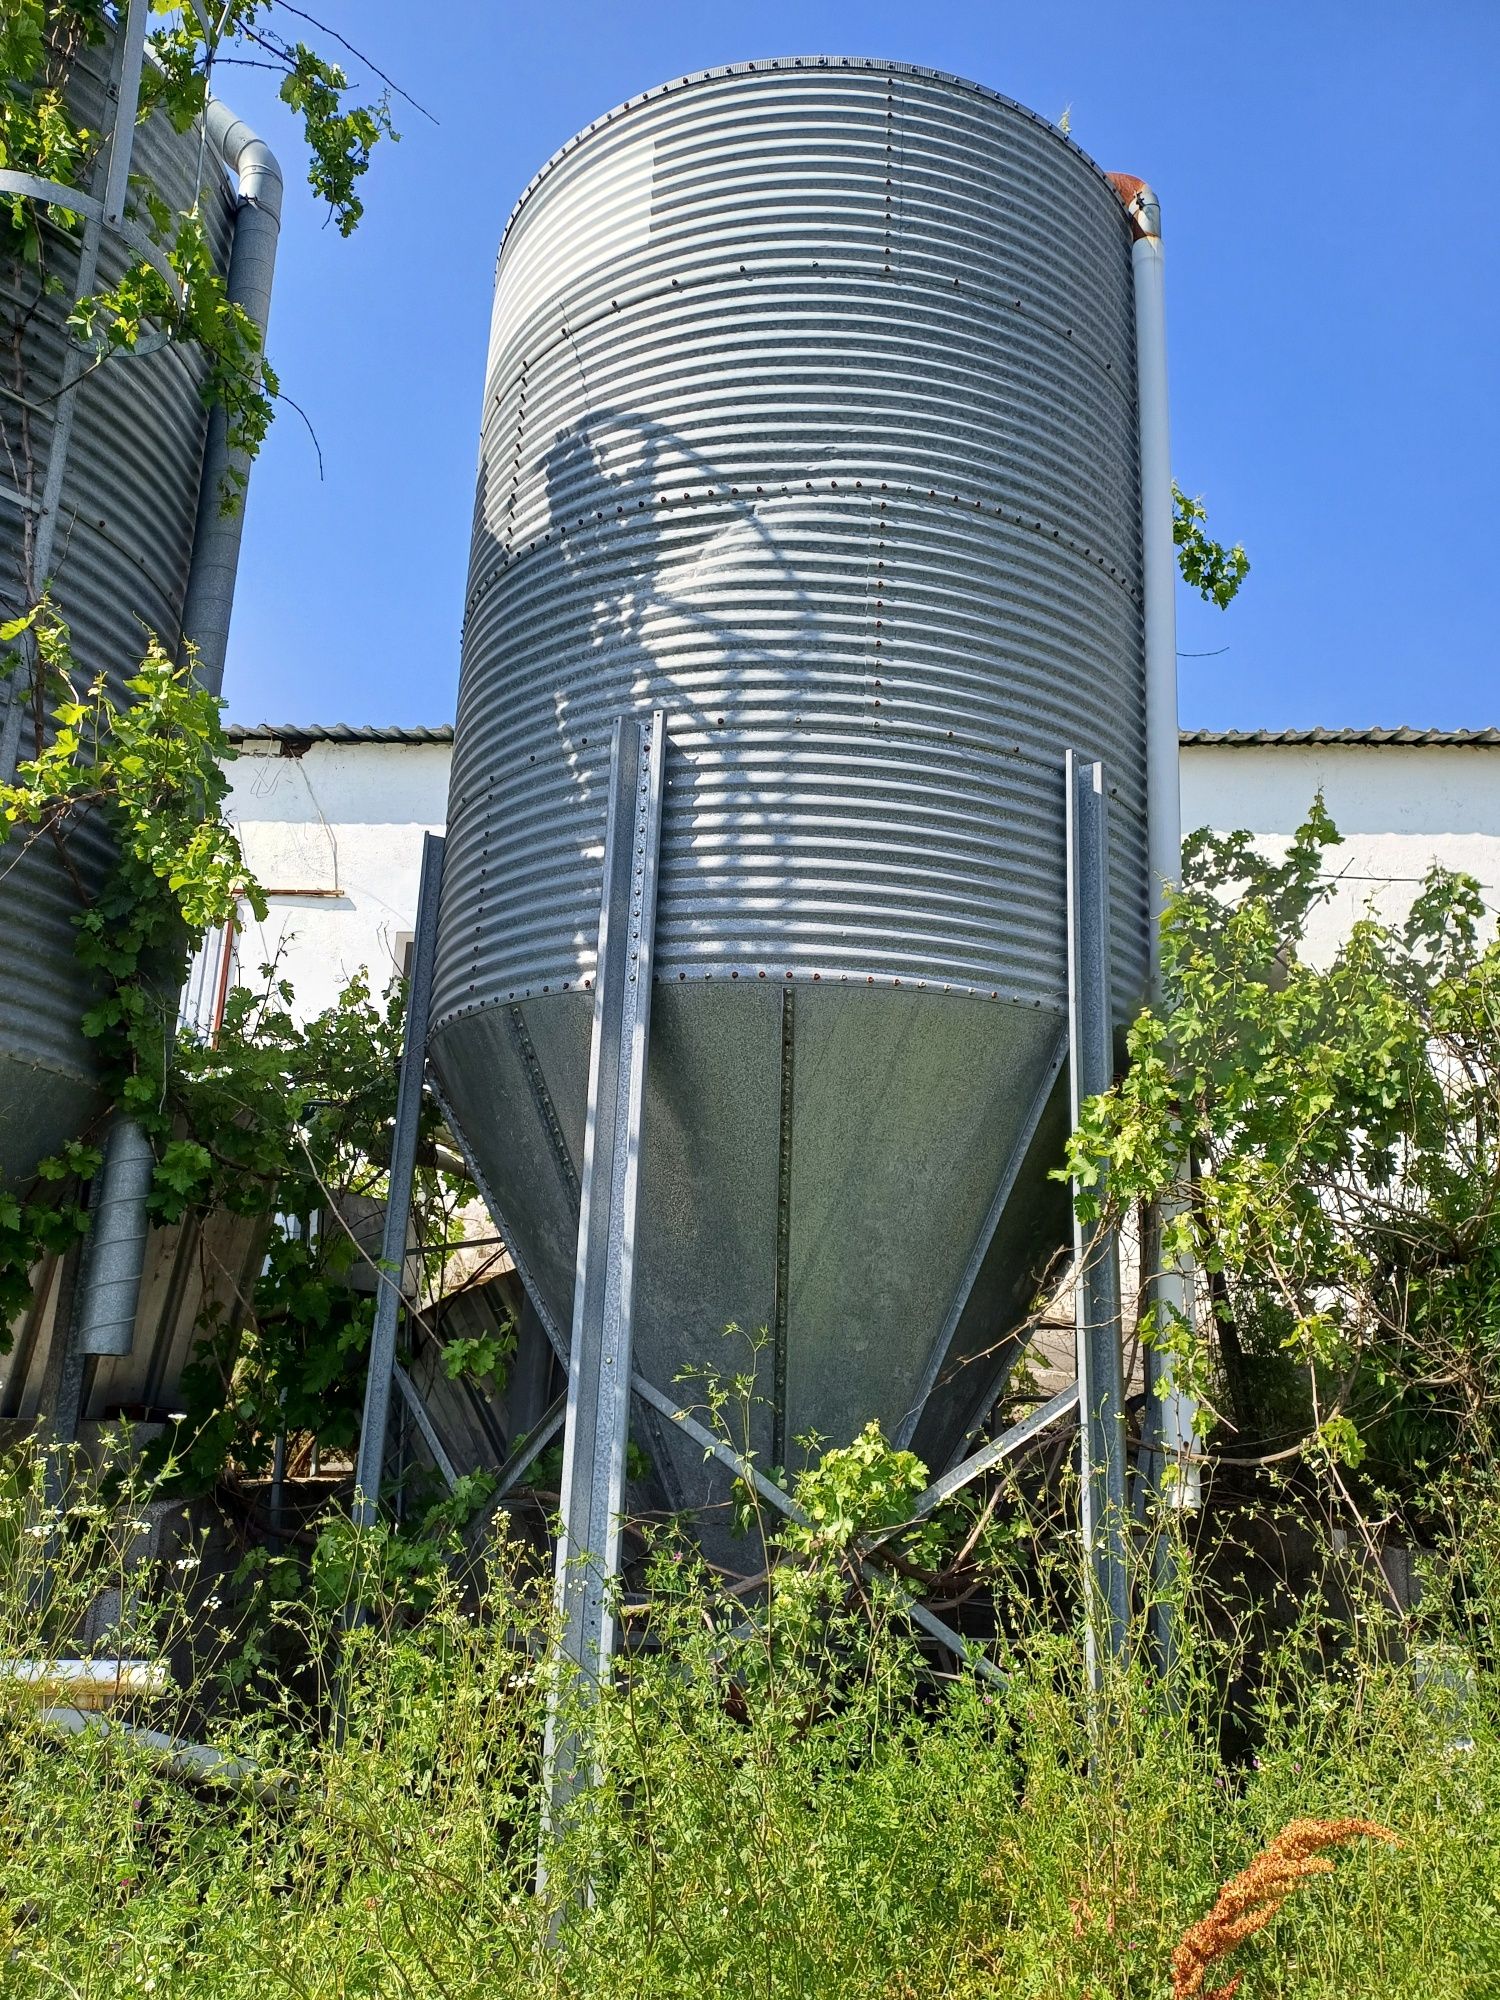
(779, 63)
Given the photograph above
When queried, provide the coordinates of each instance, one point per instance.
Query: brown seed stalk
(1248, 1902)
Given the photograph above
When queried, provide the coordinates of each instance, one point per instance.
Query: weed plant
(794, 1803)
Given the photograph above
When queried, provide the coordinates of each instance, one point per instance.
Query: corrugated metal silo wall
(810, 417)
(119, 570)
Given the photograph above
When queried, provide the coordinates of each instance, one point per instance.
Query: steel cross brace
(1063, 1404)
(743, 1467)
(599, 1365)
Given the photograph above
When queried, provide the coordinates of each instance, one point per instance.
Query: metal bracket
(599, 1367)
(1101, 1389)
(380, 1374)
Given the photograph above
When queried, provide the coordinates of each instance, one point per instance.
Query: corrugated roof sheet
(1480, 739)
(348, 732)
(338, 732)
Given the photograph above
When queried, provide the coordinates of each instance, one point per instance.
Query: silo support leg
(599, 1366)
(1101, 1389)
(381, 1373)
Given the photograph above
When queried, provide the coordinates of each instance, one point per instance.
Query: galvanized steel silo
(809, 418)
(131, 532)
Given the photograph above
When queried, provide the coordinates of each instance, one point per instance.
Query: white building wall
(334, 830)
(1400, 808)
(334, 836)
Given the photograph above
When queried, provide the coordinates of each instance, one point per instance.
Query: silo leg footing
(1101, 1389)
(599, 1365)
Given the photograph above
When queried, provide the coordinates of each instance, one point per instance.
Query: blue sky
(1327, 173)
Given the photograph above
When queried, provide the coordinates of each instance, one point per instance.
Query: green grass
(815, 1817)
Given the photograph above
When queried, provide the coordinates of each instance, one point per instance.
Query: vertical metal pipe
(252, 262)
(1101, 1388)
(116, 1255)
(378, 1378)
(599, 1369)
(67, 1373)
(1170, 1411)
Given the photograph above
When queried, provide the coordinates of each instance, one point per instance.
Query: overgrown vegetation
(1327, 1132)
(1207, 566)
(807, 1809)
(273, 1117)
(797, 1798)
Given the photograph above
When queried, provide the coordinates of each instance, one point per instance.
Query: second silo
(810, 418)
(111, 501)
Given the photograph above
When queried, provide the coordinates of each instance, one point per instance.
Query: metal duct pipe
(252, 261)
(117, 1250)
(1173, 1408)
(117, 1253)
(1158, 561)
(117, 1242)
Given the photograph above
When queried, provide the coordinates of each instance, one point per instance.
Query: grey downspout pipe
(117, 1249)
(1170, 1405)
(117, 1242)
(252, 260)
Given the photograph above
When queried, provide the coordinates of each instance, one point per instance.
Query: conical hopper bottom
(820, 1162)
